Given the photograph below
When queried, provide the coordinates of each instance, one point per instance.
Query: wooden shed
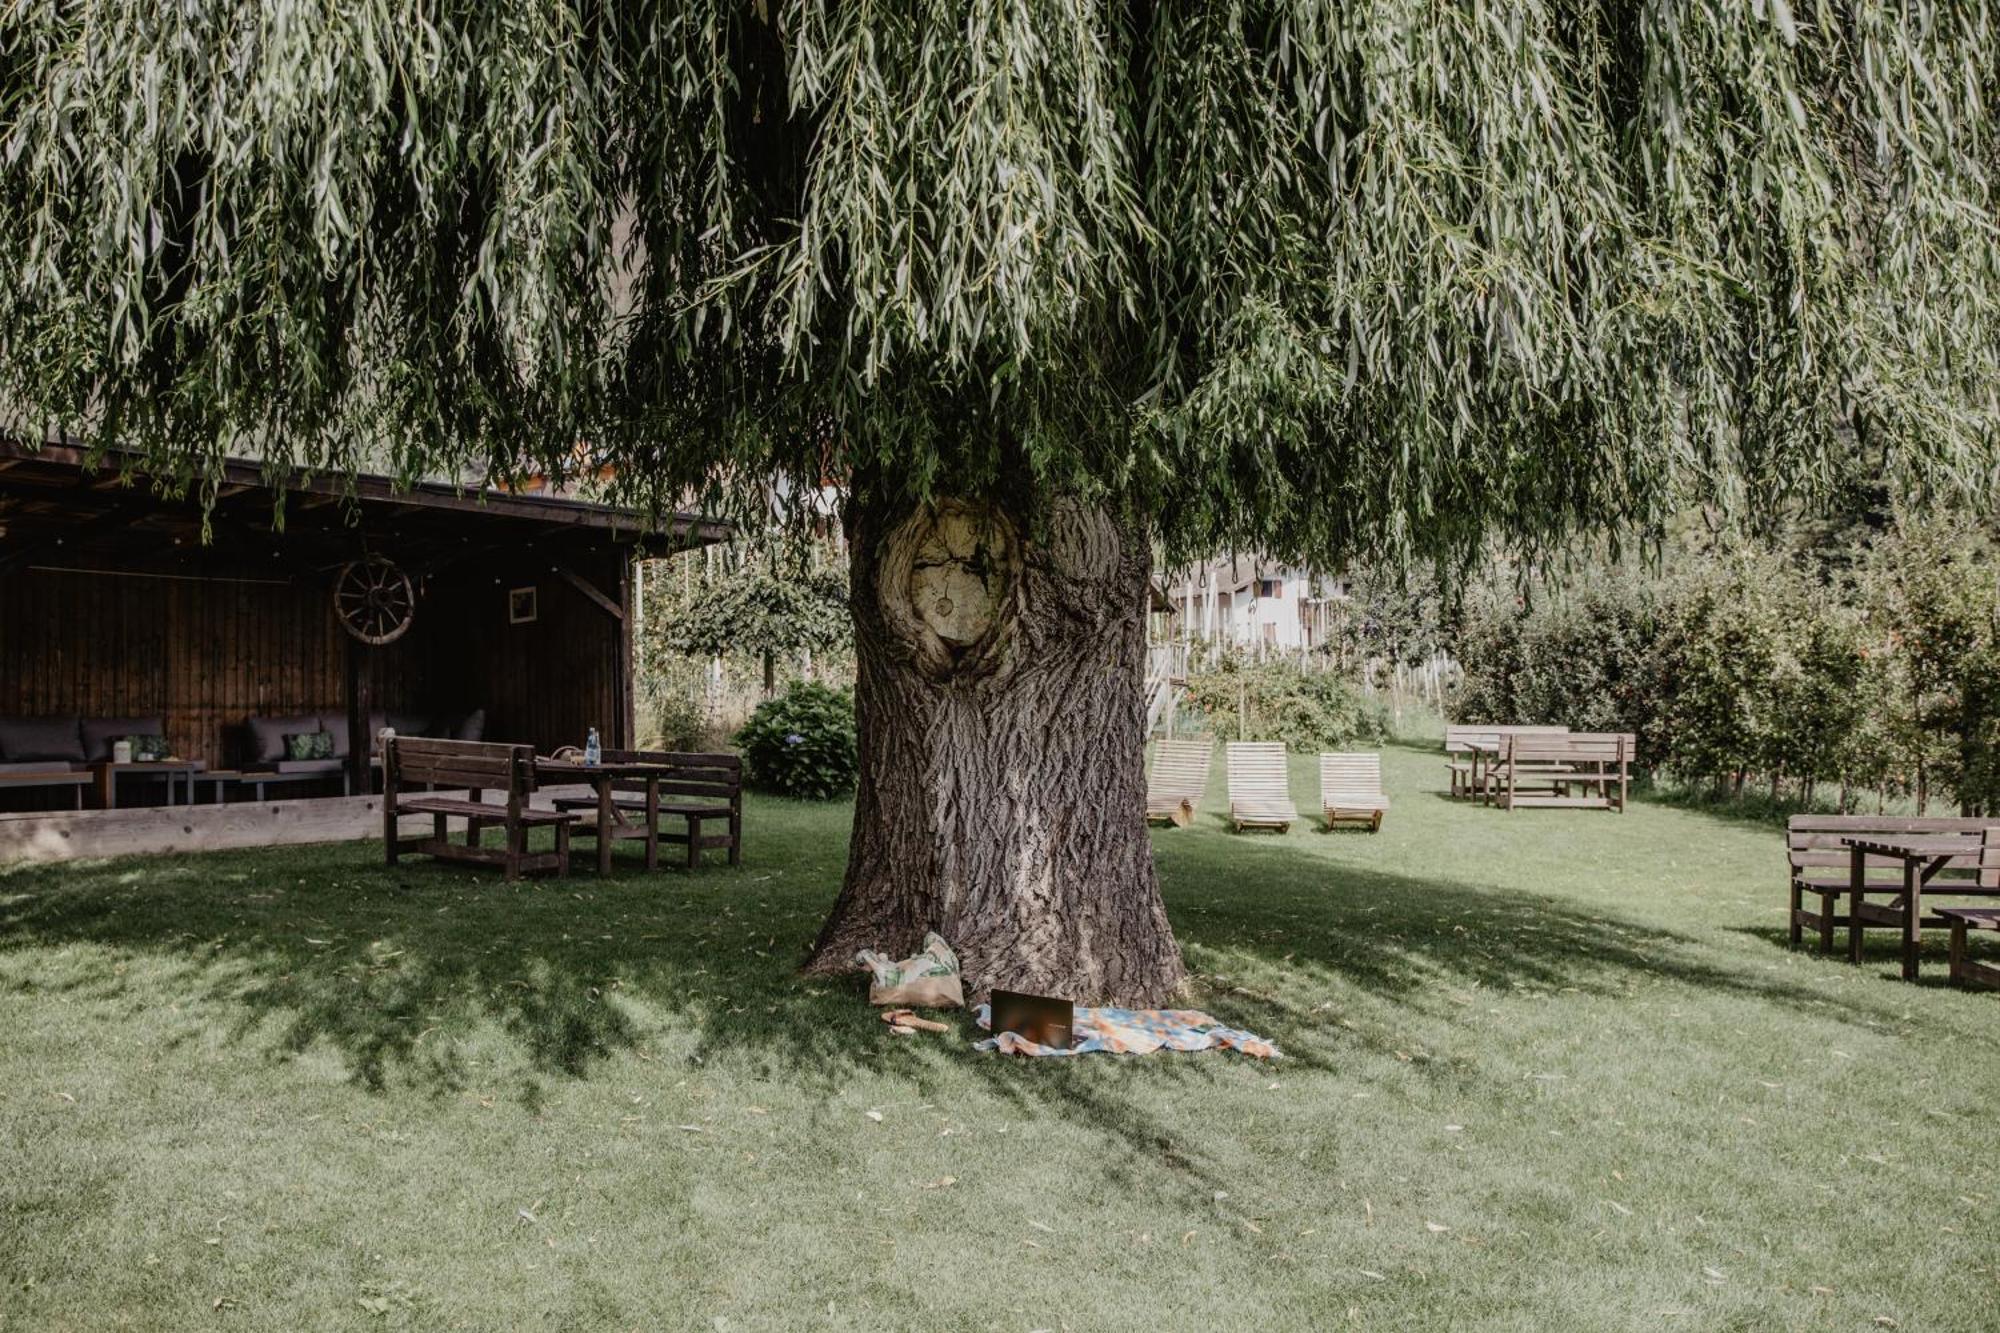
(514, 605)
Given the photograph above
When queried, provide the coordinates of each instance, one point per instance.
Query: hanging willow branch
(1322, 277)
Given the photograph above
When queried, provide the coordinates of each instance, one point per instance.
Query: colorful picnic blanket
(1133, 1032)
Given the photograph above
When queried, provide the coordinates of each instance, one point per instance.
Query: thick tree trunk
(1002, 792)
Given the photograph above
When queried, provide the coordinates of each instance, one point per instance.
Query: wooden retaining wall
(70, 835)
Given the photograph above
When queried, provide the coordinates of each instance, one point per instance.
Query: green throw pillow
(147, 748)
(309, 745)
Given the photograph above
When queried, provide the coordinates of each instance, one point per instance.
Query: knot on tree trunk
(949, 587)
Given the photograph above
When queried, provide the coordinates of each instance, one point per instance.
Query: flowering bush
(802, 743)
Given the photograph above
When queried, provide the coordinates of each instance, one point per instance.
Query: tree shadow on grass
(1415, 940)
(326, 947)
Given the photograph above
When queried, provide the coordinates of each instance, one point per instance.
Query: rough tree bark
(1002, 792)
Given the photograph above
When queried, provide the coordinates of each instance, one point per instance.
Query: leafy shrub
(1584, 656)
(675, 723)
(802, 743)
(1307, 710)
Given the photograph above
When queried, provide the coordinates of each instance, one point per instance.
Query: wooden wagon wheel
(374, 600)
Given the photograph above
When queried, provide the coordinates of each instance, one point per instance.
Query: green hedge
(1307, 710)
(1752, 666)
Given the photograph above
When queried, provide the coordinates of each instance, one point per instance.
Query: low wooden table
(1965, 972)
(608, 822)
(109, 771)
(220, 779)
(55, 777)
(1922, 858)
(258, 778)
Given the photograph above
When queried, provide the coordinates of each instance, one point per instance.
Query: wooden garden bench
(1350, 789)
(1964, 971)
(1259, 790)
(709, 788)
(1583, 769)
(479, 767)
(1967, 865)
(1471, 750)
(1179, 780)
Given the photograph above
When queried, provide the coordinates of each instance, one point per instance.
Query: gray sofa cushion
(40, 766)
(25, 738)
(307, 766)
(267, 734)
(101, 733)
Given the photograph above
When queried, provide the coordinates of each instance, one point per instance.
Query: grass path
(1548, 1070)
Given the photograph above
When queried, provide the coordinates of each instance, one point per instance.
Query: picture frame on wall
(522, 606)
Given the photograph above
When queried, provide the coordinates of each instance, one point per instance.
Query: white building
(1254, 604)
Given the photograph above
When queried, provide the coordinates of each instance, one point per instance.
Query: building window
(1270, 588)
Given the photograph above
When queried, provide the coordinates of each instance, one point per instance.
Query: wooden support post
(1857, 881)
(360, 690)
(1913, 916)
(628, 722)
(390, 832)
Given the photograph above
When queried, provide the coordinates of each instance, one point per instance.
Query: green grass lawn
(1551, 1069)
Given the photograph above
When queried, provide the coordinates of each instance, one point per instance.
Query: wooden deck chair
(1350, 788)
(1178, 781)
(1259, 794)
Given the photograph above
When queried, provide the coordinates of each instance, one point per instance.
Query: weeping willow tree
(1042, 285)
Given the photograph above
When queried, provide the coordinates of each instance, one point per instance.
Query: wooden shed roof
(56, 507)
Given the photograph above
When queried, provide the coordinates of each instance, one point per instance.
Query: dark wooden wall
(207, 652)
(547, 682)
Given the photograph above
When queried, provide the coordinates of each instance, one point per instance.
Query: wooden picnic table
(1490, 749)
(610, 823)
(1921, 858)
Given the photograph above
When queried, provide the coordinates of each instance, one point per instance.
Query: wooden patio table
(1922, 858)
(610, 823)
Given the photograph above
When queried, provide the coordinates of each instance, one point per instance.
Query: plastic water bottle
(593, 752)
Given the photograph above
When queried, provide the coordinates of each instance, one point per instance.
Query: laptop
(1042, 1019)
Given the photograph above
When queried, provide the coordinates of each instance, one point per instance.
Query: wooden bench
(477, 766)
(1178, 781)
(1350, 789)
(1822, 867)
(1964, 971)
(1578, 769)
(1260, 793)
(1470, 750)
(711, 788)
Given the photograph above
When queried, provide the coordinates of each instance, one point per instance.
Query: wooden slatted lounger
(1350, 788)
(1179, 780)
(1260, 795)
